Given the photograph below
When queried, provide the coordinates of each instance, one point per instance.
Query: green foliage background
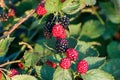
(94, 31)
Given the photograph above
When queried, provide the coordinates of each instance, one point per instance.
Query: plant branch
(12, 62)
(18, 23)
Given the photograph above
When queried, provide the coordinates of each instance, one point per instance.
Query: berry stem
(12, 62)
(18, 23)
(28, 45)
(61, 14)
(98, 16)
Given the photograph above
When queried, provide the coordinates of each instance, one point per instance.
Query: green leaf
(72, 42)
(113, 67)
(92, 29)
(36, 24)
(113, 50)
(96, 74)
(86, 50)
(61, 74)
(111, 13)
(23, 77)
(110, 30)
(55, 57)
(4, 45)
(72, 7)
(65, 3)
(31, 58)
(39, 23)
(95, 62)
(88, 2)
(42, 47)
(51, 42)
(52, 6)
(45, 72)
(22, 7)
(75, 29)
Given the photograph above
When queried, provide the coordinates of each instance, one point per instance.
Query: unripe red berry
(82, 67)
(13, 72)
(0, 75)
(65, 63)
(11, 13)
(20, 65)
(72, 54)
(41, 10)
(58, 31)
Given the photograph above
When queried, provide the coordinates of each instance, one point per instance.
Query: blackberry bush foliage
(59, 40)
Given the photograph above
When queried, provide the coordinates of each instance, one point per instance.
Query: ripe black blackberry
(47, 33)
(49, 25)
(64, 21)
(61, 45)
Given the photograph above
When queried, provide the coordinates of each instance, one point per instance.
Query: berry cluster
(71, 55)
(55, 26)
(57, 30)
(82, 66)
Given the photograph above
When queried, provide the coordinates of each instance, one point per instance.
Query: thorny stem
(18, 23)
(12, 62)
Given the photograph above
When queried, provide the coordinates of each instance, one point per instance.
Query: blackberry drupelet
(64, 21)
(61, 45)
(48, 26)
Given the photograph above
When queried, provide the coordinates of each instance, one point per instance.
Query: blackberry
(61, 45)
(49, 25)
(64, 21)
(47, 33)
